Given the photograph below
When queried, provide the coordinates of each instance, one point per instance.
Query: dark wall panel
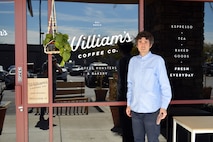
(178, 30)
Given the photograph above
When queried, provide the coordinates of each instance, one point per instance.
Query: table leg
(192, 137)
(174, 130)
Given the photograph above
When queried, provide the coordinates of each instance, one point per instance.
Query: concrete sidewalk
(94, 127)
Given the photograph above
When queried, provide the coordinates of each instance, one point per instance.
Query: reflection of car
(68, 65)
(2, 75)
(10, 67)
(208, 69)
(63, 75)
(10, 78)
(94, 72)
(76, 70)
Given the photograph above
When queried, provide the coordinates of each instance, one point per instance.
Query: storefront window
(83, 21)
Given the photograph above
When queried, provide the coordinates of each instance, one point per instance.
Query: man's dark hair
(147, 35)
(125, 47)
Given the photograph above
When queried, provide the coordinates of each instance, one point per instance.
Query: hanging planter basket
(50, 48)
(49, 42)
(56, 42)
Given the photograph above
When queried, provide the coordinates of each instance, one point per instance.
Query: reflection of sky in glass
(76, 19)
(7, 22)
(208, 23)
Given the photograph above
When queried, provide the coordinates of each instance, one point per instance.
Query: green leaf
(57, 45)
(59, 38)
(66, 56)
(47, 40)
(49, 36)
(67, 47)
(62, 63)
(61, 52)
(66, 37)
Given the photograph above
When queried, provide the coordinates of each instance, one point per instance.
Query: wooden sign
(37, 90)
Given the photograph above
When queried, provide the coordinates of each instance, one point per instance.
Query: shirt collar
(146, 56)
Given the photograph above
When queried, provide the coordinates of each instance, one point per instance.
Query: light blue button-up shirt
(148, 84)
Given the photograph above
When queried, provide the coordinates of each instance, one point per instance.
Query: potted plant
(206, 94)
(100, 92)
(58, 44)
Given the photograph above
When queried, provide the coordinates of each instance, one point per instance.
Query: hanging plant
(56, 42)
(59, 44)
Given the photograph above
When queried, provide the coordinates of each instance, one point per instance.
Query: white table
(194, 124)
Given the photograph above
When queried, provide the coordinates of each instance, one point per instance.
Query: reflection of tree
(208, 47)
(134, 51)
(208, 52)
(210, 4)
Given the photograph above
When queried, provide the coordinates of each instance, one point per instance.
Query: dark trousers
(145, 123)
(126, 125)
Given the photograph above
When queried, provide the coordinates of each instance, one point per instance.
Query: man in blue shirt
(149, 90)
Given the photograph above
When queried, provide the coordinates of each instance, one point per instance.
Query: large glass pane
(7, 22)
(208, 51)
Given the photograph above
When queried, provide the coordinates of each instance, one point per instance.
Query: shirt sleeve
(165, 86)
(129, 81)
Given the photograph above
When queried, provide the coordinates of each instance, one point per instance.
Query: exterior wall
(35, 55)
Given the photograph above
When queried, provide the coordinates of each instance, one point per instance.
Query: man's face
(143, 46)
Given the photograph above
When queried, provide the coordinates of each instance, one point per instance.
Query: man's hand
(162, 113)
(128, 111)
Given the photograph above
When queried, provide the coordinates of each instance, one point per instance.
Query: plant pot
(100, 94)
(50, 48)
(2, 116)
(207, 92)
(115, 115)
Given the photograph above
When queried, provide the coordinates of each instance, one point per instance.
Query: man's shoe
(116, 129)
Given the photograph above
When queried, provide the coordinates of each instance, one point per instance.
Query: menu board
(182, 51)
